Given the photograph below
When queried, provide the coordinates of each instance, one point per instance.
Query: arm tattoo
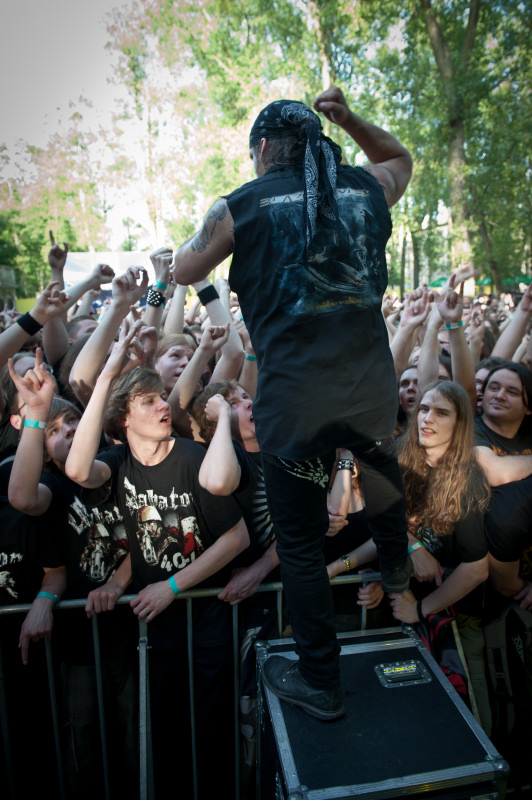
(204, 237)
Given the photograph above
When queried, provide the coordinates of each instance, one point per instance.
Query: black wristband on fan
(206, 295)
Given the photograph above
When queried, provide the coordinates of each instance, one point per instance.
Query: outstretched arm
(55, 336)
(207, 248)
(81, 465)
(36, 389)
(212, 339)
(503, 469)
(157, 596)
(512, 335)
(220, 471)
(391, 163)
(415, 312)
(450, 308)
(50, 303)
(465, 578)
(160, 259)
(127, 289)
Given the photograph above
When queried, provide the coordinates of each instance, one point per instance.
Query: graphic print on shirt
(7, 581)
(344, 268)
(261, 522)
(310, 470)
(167, 530)
(105, 536)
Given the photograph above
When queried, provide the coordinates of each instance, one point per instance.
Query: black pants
(297, 497)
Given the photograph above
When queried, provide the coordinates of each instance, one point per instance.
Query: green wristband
(249, 357)
(48, 595)
(452, 326)
(34, 423)
(160, 285)
(173, 585)
(415, 546)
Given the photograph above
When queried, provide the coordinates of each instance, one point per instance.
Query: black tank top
(326, 375)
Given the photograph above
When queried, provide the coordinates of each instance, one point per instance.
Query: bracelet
(206, 295)
(347, 562)
(346, 463)
(34, 423)
(249, 357)
(48, 595)
(173, 585)
(452, 326)
(415, 546)
(155, 298)
(29, 323)
(160, 285)
(421, 616)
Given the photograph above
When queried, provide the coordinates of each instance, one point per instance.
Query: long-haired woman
(446, 496)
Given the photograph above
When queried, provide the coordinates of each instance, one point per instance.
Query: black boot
(283, 678)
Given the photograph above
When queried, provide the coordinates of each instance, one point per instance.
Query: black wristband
(29, 324)
(206, 295)
(154, 298)
(346, 463)
(421, 616)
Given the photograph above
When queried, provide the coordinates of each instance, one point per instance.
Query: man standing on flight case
(308, 240)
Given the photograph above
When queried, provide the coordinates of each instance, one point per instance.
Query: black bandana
(321, 157)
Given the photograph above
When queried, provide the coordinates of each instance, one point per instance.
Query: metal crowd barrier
(146, 791)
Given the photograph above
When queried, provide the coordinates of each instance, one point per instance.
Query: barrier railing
(146, 791)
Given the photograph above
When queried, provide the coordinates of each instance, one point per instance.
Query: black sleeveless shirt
(326, 375)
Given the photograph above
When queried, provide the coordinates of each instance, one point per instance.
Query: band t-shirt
(90, 533)
(27, 544)
(170, 521)
(326, 375)
(508, 522)
(520, 444)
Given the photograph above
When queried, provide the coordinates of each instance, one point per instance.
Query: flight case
(406, 731)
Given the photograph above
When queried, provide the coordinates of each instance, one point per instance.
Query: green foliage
(198, 71)
(8, 248)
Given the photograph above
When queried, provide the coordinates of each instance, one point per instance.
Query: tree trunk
(415, 261)
(461, 250)
(403, 264)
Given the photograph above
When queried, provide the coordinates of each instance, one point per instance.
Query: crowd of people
(294, 421)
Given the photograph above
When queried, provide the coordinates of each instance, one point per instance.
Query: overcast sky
(51, 52)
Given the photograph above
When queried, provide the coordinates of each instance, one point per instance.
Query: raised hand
(215, 406)
(451, 303)
(244, 336)
(103, 273)
(333, 105)
(50, 303)
(56, 255)
(526, 300)
(214, 337)
(36, 388)
(130, 287)
(127, 353)
(416, 308)
(161, 260)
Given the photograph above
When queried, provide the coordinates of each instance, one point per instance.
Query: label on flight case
(402, 673)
